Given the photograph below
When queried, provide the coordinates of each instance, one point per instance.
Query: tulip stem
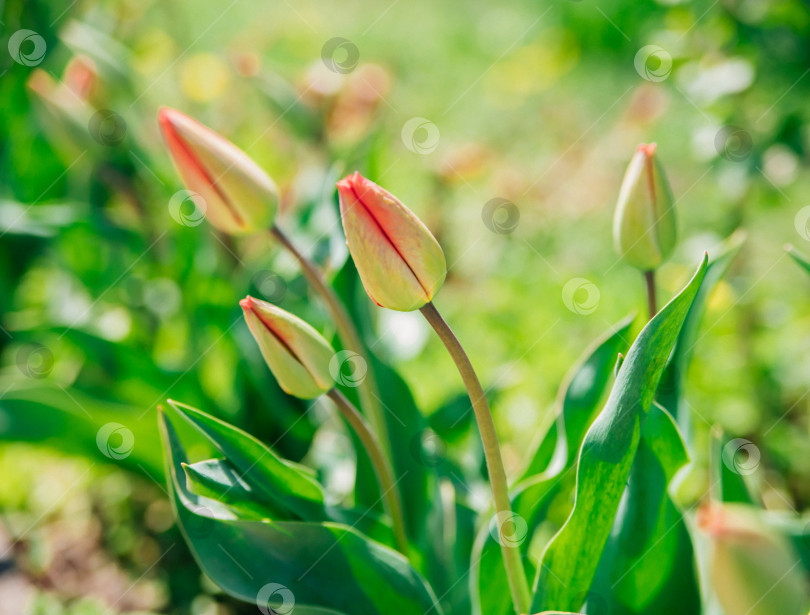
(649, 279)
(382, 469)
(367, 390)
(512, 560)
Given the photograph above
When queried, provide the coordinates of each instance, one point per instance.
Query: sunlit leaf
(315, 568)
(800, 258)
(548, 472)
(219, 480)
(289, 486)
(648, 558)
(670, 390)
(570, 561)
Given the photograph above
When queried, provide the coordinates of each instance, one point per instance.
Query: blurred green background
(114, 295)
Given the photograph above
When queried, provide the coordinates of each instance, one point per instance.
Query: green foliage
(570, 561)
(332, 565)
(112, 300)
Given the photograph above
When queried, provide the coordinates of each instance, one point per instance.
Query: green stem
(350, 338)
(382, 469)
(649, 279)
(512, 560)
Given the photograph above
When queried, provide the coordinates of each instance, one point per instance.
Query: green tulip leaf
(313, 568)
(800, 258)
(581, 395)
(670, 389)
(570, 561)
(290, 486)
(546, 476)
(219, 480)
(648, 559)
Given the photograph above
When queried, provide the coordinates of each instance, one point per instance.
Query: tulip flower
(754, 569)
(239, 196)
(296, 353)
(299, 358)
(644, 225)
(399, 261)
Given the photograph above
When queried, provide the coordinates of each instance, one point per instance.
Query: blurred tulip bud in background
(296, 353)
(356, 104)
(81, 76)
(65, 110)
(247, 63)
(644, 224)
(399, 261)
(753, 569)
(239, 196)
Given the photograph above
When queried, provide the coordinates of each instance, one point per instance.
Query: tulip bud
(399, 261)
(754, 569)
(644, 225)
(239, 196)
(296, 353)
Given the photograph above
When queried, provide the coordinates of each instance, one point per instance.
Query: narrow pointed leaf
(649, 557)
(569, 563)
(544, 478)
(800, 258)
(670, 390)
(219, 480)
(317, 568)
(581, 394)
(287, 484)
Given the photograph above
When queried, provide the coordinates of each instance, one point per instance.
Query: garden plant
(635, 530)
(406, 307)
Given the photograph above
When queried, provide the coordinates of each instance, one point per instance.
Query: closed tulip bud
(754, 569)
(644, 224)
(296, 353)
(399, 261)
(239, 196)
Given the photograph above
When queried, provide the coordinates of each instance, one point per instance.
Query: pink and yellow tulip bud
(239, 196)
(753, 569)
(399, 261)
(296, 353)
(644, 224)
